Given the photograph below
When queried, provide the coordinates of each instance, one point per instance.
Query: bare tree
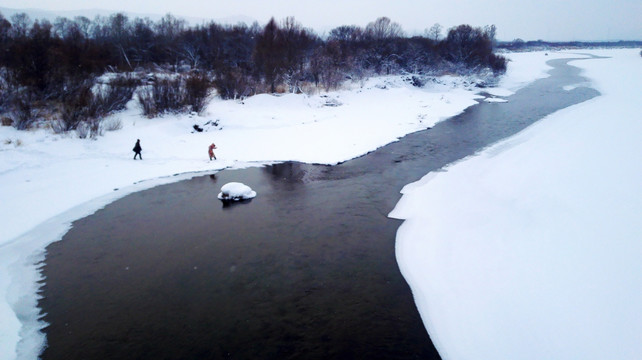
(143, 41)
(298, 45)
(491, 32)
(84, 25)
(5, 31)
(20, 24)
(168, 30)
(170, 26)
(383, 28)
(346, 33)
(267, 53)
(59, 26)
(471, 48)
(434, 33)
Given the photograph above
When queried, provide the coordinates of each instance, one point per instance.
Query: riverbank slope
(531, 249)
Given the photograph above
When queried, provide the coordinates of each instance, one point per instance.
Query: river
(306, 269)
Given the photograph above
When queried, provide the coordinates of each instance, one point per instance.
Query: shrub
(58, 126)
(82, 106)
(232, 83)
(497, 63)
(115, 96)
(168, 96)
(197, 87)
(24, 113)
(89, 129)
(145, 97)
(83, 130)
(112, 124)
(164, 96)
(95, 129)
(175, 95)
(76, 106)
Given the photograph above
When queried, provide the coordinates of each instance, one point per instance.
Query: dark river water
(306, 269)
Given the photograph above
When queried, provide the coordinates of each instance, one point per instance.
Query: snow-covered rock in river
(236, 191)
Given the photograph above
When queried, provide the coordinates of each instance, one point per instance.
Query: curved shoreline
(384, 153)
(21, 253)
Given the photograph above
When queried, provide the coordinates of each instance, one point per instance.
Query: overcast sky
(525, 19)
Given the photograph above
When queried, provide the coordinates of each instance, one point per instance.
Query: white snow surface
(532, 248)
(236, 191)
(48, 180)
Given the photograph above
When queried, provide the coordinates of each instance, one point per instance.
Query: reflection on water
(305, 270)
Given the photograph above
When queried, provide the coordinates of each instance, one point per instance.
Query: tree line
(57, 65)
(521, 45)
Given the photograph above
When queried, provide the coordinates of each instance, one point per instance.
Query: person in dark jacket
(137, 149)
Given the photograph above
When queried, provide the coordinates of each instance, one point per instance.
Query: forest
(76, 71)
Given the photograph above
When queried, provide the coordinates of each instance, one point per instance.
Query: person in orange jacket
(210, 151)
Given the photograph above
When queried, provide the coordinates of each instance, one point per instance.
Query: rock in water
(236, 191)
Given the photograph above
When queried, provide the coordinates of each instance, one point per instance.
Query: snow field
(531, 249)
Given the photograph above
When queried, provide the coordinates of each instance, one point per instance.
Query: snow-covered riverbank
(531, 249)
(50, 180)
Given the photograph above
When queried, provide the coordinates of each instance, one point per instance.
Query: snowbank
(531, 249)
(50, 180)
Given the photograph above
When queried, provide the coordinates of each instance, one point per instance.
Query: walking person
(210, 151)
(137, 149)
